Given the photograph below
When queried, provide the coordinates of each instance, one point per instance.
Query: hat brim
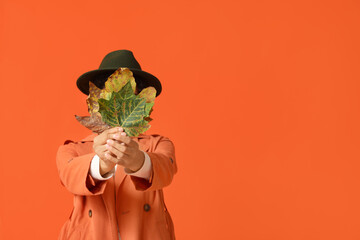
(149, 79)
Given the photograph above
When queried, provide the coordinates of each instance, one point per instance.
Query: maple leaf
(117, 105)
(93, 122)
(127, 110)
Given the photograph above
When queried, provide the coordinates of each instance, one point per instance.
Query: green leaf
(127, 110)
(148, 108)
(117, 105)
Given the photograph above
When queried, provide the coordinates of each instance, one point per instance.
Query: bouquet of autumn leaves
(116, 105)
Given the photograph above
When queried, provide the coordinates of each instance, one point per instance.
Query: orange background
(261, 99)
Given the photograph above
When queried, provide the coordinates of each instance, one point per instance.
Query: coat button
(90, 213)
(146, 207)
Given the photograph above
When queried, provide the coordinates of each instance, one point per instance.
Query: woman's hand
(100, 149)
(124, 151)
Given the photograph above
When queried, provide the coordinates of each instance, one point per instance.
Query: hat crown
(110, 63)
(120, 58)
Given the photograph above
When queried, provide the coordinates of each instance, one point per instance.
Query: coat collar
(89, 138)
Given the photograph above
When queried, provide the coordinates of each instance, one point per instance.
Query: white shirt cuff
(145, 170)
(95, 169)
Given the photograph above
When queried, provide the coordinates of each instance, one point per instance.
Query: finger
(121, 147)
(101, 153)
(111, 154)
(115, 151)
(115, 159)
(106, 133)
(121, 137)
(117, 154)
(114, 130)
(100, 150)
(110, 157)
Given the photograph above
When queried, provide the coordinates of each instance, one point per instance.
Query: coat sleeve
(164, 166)
(74, 171)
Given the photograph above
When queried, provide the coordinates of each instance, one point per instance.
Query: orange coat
(136, 204)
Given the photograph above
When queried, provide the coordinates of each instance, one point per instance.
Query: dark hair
(140, 85)
(100, 80)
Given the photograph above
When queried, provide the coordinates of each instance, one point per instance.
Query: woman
(117, 180)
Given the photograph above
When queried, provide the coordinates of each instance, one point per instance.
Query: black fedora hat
(113, 61)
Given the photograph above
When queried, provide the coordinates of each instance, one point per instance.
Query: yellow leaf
(92, 99)
(148, 93)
